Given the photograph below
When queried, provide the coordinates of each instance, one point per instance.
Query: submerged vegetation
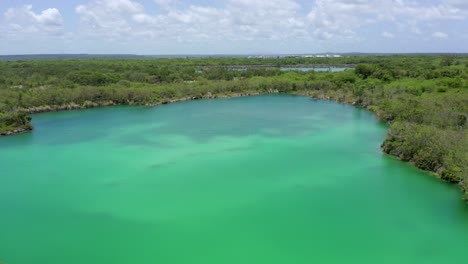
(423, 98)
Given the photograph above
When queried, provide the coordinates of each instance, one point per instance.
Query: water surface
(316, 69)
(266, 179)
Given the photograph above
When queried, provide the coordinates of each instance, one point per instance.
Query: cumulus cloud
(266, 19)
(386, 34)
(238, 20)
(166, 4)
(240, 23)
(338, 18)
(439, 35)
(343, 17)
(25, 20)
(108, 18)
(261, 19)
(460, 4)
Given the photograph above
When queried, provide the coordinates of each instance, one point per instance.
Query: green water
(267, 179)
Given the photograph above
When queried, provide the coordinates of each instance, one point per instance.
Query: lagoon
(263, 179)
(316, 69)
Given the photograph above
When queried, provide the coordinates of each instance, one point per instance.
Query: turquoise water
(266, 179)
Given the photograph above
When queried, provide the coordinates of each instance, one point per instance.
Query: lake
(317, 69)
(263, 179)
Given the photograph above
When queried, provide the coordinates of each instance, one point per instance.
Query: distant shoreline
(65, 56)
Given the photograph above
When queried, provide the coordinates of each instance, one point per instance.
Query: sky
(152, 27)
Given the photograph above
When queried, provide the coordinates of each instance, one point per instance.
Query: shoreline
(16, 132)
(89, 105)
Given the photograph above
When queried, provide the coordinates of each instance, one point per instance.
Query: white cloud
(386, 34)
(247, 22)
(252, 20)
(238, 20)
(108, 18)
(460, 4)
(274, 19)
(167, 4)
(439, 35)
(344, 17)
(338, 18)
(25, 20)
(240, 25)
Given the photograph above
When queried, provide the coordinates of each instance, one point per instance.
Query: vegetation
(423, 98)
(14, 122)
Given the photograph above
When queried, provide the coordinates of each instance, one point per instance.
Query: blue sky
(232, 26)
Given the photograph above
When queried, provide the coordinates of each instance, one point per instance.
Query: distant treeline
(423, 98)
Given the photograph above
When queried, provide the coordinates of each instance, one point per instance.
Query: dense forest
(424, 98)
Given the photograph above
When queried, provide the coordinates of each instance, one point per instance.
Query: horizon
(351, 53)
(232, 27)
